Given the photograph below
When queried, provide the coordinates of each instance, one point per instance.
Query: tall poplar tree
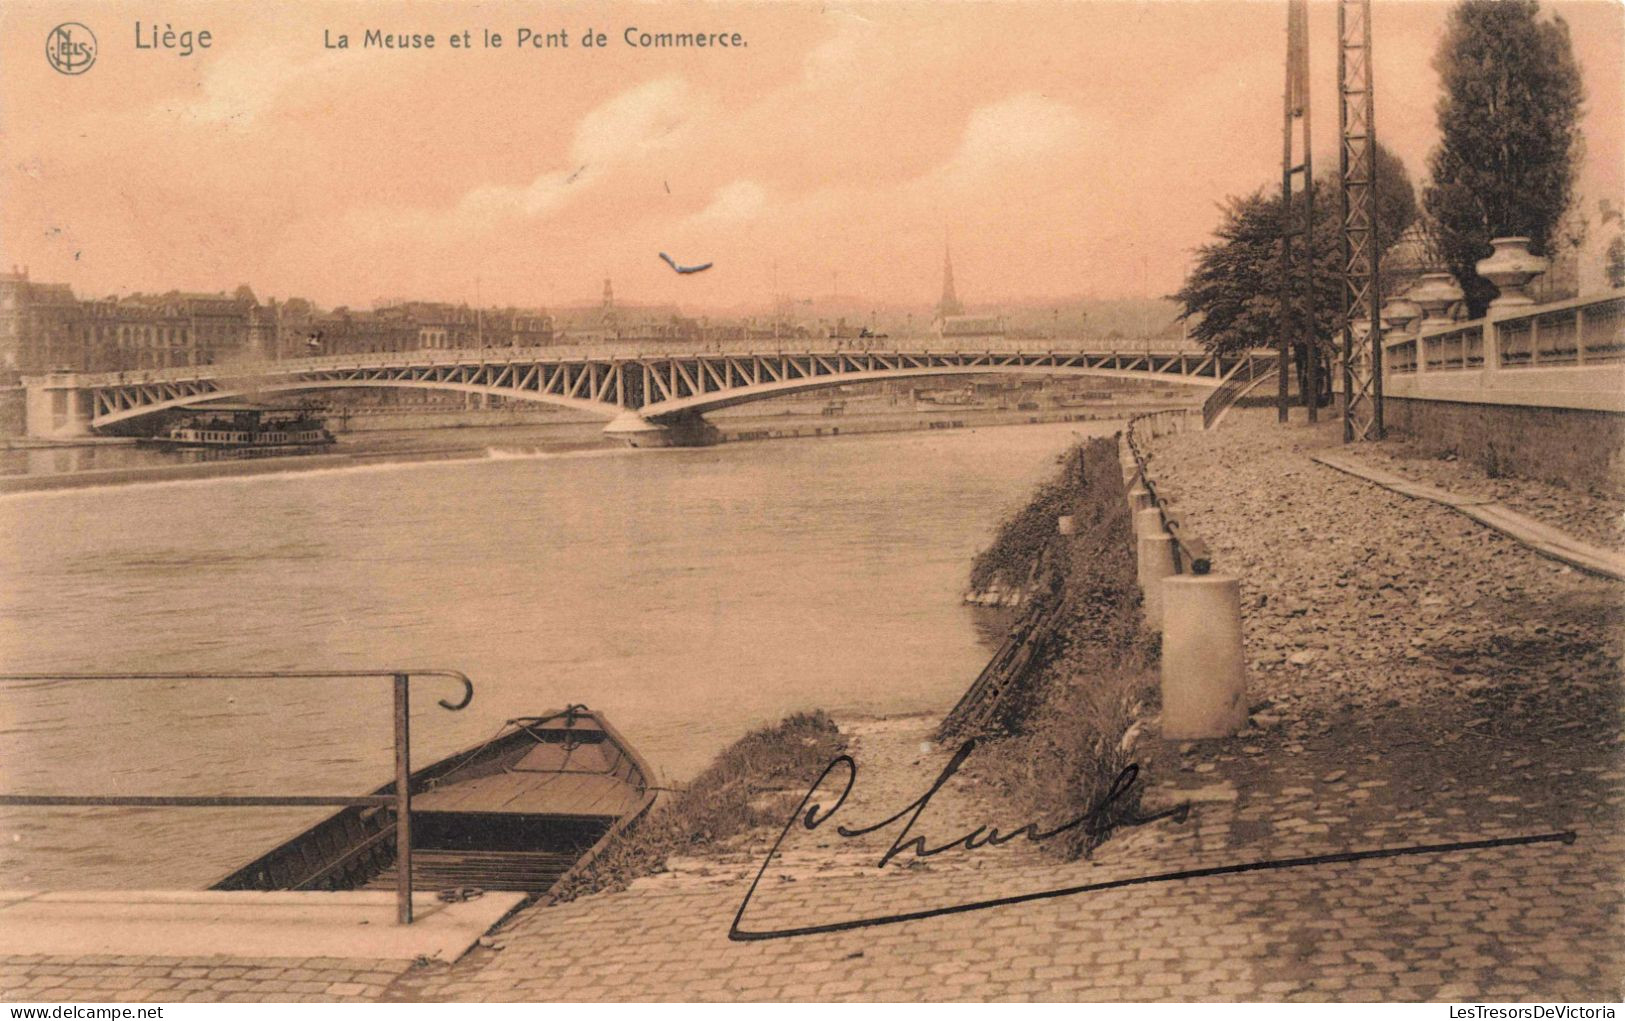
(1509, 135)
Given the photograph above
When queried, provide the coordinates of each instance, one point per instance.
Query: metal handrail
(1246, 375)
(401, 800)
(1189, 550)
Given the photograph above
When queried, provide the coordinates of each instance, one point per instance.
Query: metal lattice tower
(1362, 355)
(1297, 222)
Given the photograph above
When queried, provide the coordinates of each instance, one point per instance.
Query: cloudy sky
(1066, 148)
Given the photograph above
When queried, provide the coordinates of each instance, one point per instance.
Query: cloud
(1014, 132)
(618, 135)
(654, 116)
(735, 201)
(851, 51)
(547, 193)
(239, 85)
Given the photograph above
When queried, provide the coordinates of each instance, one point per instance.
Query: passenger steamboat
(245, 427)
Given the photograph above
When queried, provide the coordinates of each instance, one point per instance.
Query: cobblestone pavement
(194, 979)
(1417, 680)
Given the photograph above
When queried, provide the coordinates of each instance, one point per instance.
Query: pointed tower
(949, 305)
(606, 313)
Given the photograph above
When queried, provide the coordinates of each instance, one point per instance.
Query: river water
(689, 594)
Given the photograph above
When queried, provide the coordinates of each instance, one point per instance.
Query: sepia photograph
(880, 502)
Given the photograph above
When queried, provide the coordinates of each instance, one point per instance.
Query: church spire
(949, 305)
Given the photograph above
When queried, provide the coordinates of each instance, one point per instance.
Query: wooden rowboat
(518, 812)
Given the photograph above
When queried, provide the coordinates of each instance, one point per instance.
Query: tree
(1569, 239)
(1232, 296)
(1232, 293)
(1614, 256)
(1509, 134)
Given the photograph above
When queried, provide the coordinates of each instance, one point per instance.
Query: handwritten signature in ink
(1108, 812)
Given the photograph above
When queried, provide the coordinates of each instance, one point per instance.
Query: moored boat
(518, 812)
(245, 427)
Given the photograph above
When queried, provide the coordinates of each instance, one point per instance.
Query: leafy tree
(1232, 292)
(1614, 257)
(1232, 296)
(1509, 134)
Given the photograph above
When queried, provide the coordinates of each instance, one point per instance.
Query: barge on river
(245, 427)
(520, 812)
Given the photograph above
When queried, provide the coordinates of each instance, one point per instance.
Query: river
(689, 594)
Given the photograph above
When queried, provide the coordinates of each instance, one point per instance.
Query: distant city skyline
(748, 308)
(1070, 150)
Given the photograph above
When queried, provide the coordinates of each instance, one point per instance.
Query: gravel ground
(1365, 612)
(1597, 518)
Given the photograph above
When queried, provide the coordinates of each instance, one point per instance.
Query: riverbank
(223, 469)
(1418, 680)
(1444, 686)
(49, 467)
(1059, 709)
(745, 788)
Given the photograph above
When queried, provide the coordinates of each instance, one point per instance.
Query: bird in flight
(684, 269)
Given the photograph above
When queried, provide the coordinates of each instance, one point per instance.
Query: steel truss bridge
(646, 395)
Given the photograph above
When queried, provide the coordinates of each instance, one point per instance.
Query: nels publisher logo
(71, 48)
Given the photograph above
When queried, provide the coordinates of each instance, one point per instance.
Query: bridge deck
(666, 386)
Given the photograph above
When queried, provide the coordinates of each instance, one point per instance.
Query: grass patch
(1064, 762)
(1015, 551)
(752, 783)
(1063, 738)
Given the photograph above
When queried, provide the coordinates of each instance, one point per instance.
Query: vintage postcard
(1111, 501)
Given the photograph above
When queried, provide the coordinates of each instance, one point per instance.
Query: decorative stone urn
(1399, 312)
(1509, 269)
(1434, 294)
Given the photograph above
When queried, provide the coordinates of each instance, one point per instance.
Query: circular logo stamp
(71, 48)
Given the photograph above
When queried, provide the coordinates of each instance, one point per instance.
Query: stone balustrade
(1566, 354)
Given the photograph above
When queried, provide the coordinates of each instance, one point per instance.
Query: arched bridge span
(642, 394)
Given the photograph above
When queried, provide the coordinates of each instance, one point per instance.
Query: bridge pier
(685, 429)
(57, 407)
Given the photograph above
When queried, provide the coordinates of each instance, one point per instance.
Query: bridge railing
(1562, 354)
(400, 799)
(1246, 376)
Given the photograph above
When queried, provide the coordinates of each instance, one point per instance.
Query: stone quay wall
(1581, 449)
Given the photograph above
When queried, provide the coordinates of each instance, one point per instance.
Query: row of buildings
(45, 327)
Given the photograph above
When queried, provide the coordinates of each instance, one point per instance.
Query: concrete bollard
(1139, 498)
(1147, 521)
(1204, 673)
(1156, 562)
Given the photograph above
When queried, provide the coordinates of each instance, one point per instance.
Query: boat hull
(519, 812)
